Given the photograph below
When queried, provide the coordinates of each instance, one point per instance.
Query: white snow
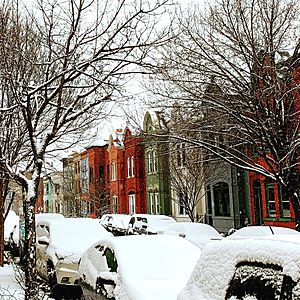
(9, 287)
(70, 237)
(216, 266)
(149, 267)
(10, 224)
(197, 233)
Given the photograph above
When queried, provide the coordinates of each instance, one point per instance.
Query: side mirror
(43, 240)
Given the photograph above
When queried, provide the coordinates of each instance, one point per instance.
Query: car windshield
(262, 281)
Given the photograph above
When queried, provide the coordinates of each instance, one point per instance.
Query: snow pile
(149, 267)
(9, 287)
(216, 265)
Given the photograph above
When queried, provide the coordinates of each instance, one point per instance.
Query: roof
(217, 263)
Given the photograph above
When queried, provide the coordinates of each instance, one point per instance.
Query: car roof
(193, 229)
(218, 262)
(256, 231)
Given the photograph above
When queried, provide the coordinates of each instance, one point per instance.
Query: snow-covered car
(20, 233)
(246, 269)
(115, 223)
(262, 232)
(60, 244)
(11, 225)
(149, 224)
(137, 267)
(198, 233)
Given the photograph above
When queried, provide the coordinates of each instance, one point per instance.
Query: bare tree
(249, 52)
(63, 66)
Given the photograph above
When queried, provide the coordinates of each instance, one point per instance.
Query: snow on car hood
(158, 289)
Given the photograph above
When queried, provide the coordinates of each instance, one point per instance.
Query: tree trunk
(31, 285)
(1, 224)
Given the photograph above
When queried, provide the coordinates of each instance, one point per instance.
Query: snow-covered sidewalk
(9, 287)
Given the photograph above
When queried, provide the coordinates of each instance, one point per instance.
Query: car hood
(149, 289)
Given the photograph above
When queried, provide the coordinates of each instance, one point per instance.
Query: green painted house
(156, 165)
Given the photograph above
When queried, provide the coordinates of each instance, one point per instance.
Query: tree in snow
(63, 66)
(249, 53)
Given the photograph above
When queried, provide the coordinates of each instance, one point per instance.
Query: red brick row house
(112, 177)
(268, 204)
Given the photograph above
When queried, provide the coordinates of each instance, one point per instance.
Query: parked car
(149, 224)
(115, 223)
(60, 244)
(198, 233)
(20, 233)
(137, 267)
(263, 232)
(262, 269)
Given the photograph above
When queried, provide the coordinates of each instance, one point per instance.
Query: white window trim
(132, 166)
(128, 167)
(113, 171)
(132, 204)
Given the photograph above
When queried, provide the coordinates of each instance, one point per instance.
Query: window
(152, 162)
(221, 199)
(285, 211)
(91, 174)
(151, 199)
(130, 167)
(157, 203)
(111, 260)
(270, 197)
(113, 171)
(181, 155)
(101, 173)
(115, 204)
(131, 198)
(255, 280)
(183, 200)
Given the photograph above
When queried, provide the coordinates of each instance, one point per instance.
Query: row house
(107, 178)
(269, 206)
(51, 187)
(156, 166)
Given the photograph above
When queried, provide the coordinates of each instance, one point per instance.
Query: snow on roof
(216, 266)
(151, 267)
(198, 233)
(193, 229)
(255, 231)
(46, 216)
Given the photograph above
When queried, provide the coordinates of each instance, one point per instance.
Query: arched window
(221, 199)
